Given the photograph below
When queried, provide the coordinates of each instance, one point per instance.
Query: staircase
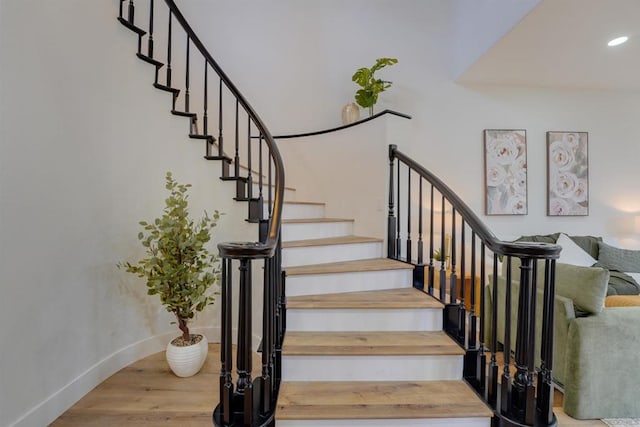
(364, 344)
(363, 347)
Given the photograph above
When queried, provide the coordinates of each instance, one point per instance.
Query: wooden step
(343, 240)
(400, 309)
(369, 343)
(315, 220)
(385, 299)
(377, 264)
(378, 400)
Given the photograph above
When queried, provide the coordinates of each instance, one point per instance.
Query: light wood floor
(146, 393)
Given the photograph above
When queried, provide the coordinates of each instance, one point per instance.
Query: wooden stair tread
(435, 343)
(376, 264)
(315, 220)
(378, 400)
(384, 299)
(292, 202)
(342, 240)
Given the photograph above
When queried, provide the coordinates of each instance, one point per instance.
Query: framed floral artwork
(567, 174)
(505, 172)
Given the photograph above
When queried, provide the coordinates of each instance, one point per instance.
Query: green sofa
(596, 349)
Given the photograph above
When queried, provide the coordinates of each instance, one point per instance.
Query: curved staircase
(354, 340)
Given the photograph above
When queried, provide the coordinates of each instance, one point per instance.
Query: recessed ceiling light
(618, 41)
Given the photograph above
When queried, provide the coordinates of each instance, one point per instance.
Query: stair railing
(256, 164)
(422, 206)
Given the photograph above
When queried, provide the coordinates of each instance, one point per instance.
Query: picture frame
(505, 172)
(567, 173)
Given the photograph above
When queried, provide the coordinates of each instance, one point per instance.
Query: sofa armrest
(602, 365)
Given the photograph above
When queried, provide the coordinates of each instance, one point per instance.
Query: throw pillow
(586, 286)
(572, 253)
(619, 259)
(588, 243)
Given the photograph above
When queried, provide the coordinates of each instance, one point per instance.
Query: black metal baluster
(545, 383)
(505, 392)
(443, 256)
(249, 174)
(481, 366)
(150, 40)
(420, 243)
(492, 380)
(431, 266)
(391, 220)
(463, 280)
(226, 382)
(236, 158)
(205, 115)
(260, 167)
(453, 280)
(398, 228)
(120, 7)
(169, 58)
(186, 80)
(130, 18)
(245, 384)
(473, 327)
(220, 137)
(265, 404)
(522, 392)
(408, 214)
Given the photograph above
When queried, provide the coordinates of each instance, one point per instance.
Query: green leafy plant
(371, 87)
(437, 255)
(178, 267)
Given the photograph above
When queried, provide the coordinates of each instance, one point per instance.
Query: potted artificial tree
(371, 86)
(181, 270)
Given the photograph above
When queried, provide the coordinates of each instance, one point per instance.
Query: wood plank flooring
(342, 240)
(147, 394)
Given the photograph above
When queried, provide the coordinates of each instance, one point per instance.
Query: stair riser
(411, 319)
(330, 253)
(313, 284)
(294, 211)
(317, 230)
(428, 422)
(371, 368)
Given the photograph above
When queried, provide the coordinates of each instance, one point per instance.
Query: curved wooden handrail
(518, 249)
(335, 129)
(257, 249)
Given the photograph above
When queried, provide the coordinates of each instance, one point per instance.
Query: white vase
(350, 113)
(187, 361)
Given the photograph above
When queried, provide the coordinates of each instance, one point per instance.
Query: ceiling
(563, 44)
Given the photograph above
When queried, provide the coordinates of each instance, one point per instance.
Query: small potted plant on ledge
(371, 86)
(181, 270)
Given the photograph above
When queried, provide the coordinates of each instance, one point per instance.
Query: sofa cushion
(618, 259)
(572, 253)
(586, 286)
(622, 301)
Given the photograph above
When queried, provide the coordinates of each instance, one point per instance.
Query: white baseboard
(56, 404)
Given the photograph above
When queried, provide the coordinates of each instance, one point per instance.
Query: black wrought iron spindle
(169, 31)
(391, 220)
(132, 10)
(398, 227)
(226, 381)
(505, 392)
(420, 243)
(545, 382)
(443, 254)
(220, 135)
(408, 214)
(186, 79)
(249, 174)
(492, 380)
(431, 233)
(260, 171)
(453, 280)
(267, 336)
(473, 327)
(244, 362)
(236, 157)
(150, 39)
(205, 114)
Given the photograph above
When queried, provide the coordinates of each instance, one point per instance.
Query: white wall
(305, 53)
(85, 142)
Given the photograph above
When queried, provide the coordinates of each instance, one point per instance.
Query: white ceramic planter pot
(187, 361)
